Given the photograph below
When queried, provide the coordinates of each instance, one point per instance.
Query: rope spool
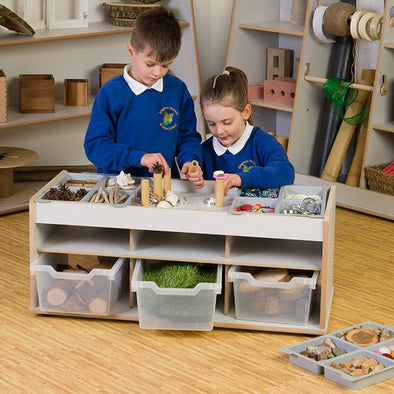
(336, 19)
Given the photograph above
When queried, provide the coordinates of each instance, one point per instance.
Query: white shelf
(276, 253)
(93, 30)
(281, 27)
(16, 119)
(87, 240)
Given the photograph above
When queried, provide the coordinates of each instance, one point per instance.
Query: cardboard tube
(219, 192)
(145, 192)
(193, 166)
(158, 186)
(167, 181)
(344, 136)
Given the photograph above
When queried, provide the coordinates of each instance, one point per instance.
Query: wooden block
(3, 97)
(36, 93)
(280, 90)
(76, 92)
(256, 91)
(279, 63)
(110, 70)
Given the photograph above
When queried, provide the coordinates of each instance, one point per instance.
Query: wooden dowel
(324, 80)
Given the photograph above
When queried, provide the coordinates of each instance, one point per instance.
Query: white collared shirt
(237, 146)
(138, 87)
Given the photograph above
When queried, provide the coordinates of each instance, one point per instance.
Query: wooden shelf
(281, 27)
(389, 45)
(385, 126)
(94, 29)
(271, 105)
(15, 118)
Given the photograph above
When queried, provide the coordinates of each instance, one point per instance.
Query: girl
(248, 155)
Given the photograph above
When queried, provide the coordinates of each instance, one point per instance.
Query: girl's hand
(195, 176)
(233, 180)
(149, 159)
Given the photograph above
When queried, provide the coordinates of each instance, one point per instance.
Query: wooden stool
(10, 194)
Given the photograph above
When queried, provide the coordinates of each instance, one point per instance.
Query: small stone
(338, 351)
(329, 343)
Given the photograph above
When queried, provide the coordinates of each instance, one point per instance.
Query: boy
(146, 115)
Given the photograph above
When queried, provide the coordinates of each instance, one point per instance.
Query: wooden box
(110, 70)
(76, 92)
(36, 93)
(3, 97)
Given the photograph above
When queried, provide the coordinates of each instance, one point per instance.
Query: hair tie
(226, 72)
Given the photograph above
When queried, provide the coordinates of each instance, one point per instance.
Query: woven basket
(378, 180)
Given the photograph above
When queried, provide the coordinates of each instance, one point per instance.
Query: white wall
(212, 19)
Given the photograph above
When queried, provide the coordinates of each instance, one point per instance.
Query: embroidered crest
(246, 165)
(169, 116)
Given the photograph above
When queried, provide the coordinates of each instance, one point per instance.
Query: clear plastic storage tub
(279, 302)
(175, 308)
(93, 293)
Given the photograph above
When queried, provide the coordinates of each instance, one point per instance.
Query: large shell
(172, 198)
(164, 204)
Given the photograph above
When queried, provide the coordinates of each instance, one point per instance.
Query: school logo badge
(169, 115)
(246, 165)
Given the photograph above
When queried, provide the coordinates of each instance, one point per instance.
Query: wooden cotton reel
(336, 18)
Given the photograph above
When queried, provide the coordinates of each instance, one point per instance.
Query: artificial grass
(180, 275)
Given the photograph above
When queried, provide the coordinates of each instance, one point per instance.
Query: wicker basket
(378, 180)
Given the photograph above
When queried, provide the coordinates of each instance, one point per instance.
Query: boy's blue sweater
(124, 126)
(261, 163)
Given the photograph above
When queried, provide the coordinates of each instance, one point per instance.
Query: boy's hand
(195, 176)
(233, 180)
(149, 159)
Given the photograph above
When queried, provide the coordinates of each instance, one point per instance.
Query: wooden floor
(49, 354)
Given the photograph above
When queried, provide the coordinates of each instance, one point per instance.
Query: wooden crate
(36, 93)
(76, 92)
(3, 97)
(110, 70)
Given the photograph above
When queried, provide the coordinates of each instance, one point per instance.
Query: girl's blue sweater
(261, 163)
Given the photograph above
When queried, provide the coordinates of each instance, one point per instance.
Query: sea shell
(172, 198)
(164, 204)
(124, 180)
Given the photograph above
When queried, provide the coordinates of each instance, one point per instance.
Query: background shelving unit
(380, 137)
(77, 53)
(258, 25)
(190, 233)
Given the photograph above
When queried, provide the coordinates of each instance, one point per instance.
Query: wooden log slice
(270, 274)
(361, 337)
(58, 293)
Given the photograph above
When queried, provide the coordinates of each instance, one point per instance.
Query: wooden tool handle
(344, 136)
(353, 177)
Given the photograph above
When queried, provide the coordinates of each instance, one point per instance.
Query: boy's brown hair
(159, 30)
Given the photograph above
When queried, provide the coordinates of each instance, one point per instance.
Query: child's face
(225, 123)
(145, 68)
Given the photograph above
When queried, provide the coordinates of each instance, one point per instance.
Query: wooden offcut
(110, 70)
(76, 92)
(3, 97)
